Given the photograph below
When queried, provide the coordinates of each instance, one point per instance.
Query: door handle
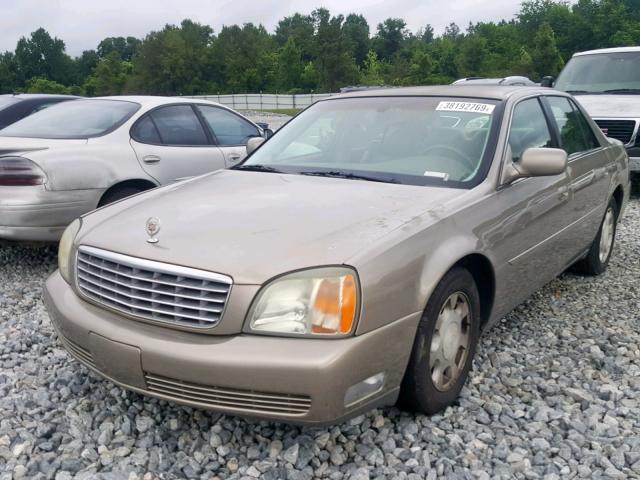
(234, 157)
(151, 159)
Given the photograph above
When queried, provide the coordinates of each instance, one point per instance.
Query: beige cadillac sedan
(351, 261)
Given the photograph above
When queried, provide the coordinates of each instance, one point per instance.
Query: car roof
(26, 96)
(154, 100)
(494, 92)
(608, 50)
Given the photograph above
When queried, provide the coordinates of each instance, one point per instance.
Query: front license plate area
(117, 360)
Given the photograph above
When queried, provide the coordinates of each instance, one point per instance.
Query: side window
(572, 137)
(529, 128)
(145, 131)
(229, 129)
(590, 138)
(179, 125)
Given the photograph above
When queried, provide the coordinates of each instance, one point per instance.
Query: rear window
(6, 101)
(77, 119)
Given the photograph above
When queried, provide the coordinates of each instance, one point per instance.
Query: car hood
(254, 226)
(624, 106)
(21, 145)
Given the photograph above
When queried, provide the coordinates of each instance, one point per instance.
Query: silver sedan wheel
(606, 235)
(450, 341)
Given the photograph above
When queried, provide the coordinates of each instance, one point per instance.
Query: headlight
(65, 249)
(318, 302)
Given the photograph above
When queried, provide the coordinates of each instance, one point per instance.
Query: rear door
(172, 143)
(230, 130)
(588, 170)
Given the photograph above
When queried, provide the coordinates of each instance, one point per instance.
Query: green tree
(44, 85)
(173, 61)
(290, 66)
(301, 29)
(43, 56)
(356, 30)
(546, 56)
(8, 81)
(372, 71)
(125, 47)
(389, 37)
(110, 76)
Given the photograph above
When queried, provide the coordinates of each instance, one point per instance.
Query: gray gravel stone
(554, 394)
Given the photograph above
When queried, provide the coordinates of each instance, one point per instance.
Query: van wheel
(118, 193)
(444, 346)
(601, 249)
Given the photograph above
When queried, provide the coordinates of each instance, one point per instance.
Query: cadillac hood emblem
(152, 228)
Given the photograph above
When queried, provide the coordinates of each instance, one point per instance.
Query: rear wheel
(600, 251)
(118, 193)
(444, 346)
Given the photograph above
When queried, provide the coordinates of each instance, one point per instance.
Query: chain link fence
(267, 101)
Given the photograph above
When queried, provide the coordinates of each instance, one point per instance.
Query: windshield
(601, 73)
(411, 140)
(78, 119)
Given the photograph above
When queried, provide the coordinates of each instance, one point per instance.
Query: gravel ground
(275, 120)
(555, 393)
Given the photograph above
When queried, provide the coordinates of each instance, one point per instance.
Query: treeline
(320, 52)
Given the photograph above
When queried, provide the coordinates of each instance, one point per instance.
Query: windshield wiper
(631, 91)
(257, 168)
(578, 92)
(349, 176)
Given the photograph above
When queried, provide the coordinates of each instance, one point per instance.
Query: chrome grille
(619, 129)
(152, 290)
(225, 398)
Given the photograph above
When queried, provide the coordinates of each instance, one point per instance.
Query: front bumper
(634, 164)
(286, 379)
(34, 213)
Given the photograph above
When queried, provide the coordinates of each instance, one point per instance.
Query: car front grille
(619, 129)
(151, 290)
(228, 398)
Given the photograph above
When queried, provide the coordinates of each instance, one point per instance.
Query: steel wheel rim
(450, 341)
(606, 235)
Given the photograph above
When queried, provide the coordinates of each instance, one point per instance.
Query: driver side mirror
(547, 81)
(537, 162)
(268, 133)
(254, 143)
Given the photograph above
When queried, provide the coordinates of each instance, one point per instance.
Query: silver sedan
(71, 158)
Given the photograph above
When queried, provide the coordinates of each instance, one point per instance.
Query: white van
(607, 83)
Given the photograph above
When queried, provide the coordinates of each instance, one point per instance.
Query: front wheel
(444, 346)
(600, 251)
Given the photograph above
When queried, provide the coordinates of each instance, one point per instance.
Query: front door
(231, 132)
(172, 144)
(530, 220)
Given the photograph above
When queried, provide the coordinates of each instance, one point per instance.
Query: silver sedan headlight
(65, 249)
(317, 302)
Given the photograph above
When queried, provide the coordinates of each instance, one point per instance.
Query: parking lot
(555, 393)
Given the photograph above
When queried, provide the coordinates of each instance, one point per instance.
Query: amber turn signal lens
(334, 308)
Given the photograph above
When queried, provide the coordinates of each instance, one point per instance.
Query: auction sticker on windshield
(470, 107)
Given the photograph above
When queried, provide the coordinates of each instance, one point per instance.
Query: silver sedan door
(172, 144)
(230, 130)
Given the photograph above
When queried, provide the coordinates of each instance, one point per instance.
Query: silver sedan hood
(254, 226)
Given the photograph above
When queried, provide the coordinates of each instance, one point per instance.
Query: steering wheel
(460, 156)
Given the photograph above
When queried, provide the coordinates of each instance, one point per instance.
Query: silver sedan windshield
(415, 140)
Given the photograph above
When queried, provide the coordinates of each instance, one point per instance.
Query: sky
(83, 23)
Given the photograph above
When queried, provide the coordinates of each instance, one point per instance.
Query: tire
(426, 386)
(601, 249)
(118, 193)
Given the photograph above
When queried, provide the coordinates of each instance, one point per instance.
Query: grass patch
(292, 112)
